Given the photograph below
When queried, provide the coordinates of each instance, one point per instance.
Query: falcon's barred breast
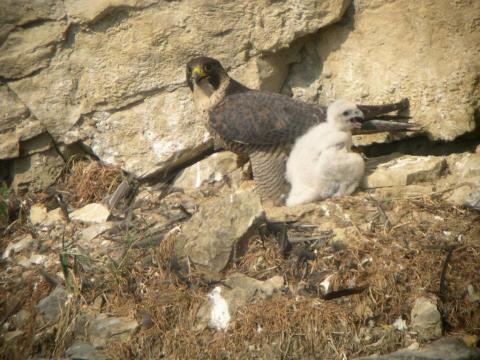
(261, 125)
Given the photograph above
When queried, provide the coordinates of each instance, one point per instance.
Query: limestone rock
(426, 319)
(38, 213)
(17, 245)
(91, 214)
(55, 216)
(36, 172)
(219, 229)
(213, 168)
(105, 328)
(403, 170)
(126, 99)
(95, 230)
(240, 290)
(16, 124)
(444, 349)
(52, 306)
(29, 49)
(364, 58)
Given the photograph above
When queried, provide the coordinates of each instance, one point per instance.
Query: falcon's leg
(268, 168)
(372, 111)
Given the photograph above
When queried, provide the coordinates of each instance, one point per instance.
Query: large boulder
(386, 50)
(111, 73)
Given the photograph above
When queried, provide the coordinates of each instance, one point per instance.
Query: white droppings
(400, 324)
(219, 315)
(325, 284)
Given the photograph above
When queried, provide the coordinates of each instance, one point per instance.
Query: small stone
(52, 306)
(37, 259)
(22, 318)
(82, 350)
(38, 214)
(426, 319)
(18, 244)
(91, 214)
(214, 168)
(104, 328)
(473, 296)
(404, 170)
(12, 335)
(94, 230)
(54, 216)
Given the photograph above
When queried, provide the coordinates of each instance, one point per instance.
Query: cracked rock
(426, 319)
(210, 237)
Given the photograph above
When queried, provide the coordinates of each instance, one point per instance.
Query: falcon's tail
(269, 167)
(373, 111)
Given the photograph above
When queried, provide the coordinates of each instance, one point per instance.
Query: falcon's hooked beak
(198, 74)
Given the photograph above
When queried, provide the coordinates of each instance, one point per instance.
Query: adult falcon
(260, 124)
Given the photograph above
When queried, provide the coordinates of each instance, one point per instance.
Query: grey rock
(426, 319)
(36, 172)
(239, 290)
(83, 351)
(105, 328)
(17, 245)
(16, 124)
(443, 349)
(220, 228)
(52, 306)
(22, 318)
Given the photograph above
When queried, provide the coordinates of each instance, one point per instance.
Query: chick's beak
(357, 120)
(198, 73)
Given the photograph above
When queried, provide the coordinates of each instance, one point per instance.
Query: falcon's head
(206, 74)
(344, 115)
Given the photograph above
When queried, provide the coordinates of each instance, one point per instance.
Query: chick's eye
(345, 113)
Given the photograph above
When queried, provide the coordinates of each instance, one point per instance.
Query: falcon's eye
(346, 112)
(208, 67)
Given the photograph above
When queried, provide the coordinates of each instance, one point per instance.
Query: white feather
(219, 314)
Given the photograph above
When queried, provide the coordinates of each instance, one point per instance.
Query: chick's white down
(321, 163)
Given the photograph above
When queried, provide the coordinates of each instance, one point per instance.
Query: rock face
(111, 73)
(375, 55)
(210, 238)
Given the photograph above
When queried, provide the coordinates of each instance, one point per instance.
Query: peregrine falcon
(259, 124)
(322, 169)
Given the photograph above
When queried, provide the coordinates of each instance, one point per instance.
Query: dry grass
(396, 247)
(87, 181)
